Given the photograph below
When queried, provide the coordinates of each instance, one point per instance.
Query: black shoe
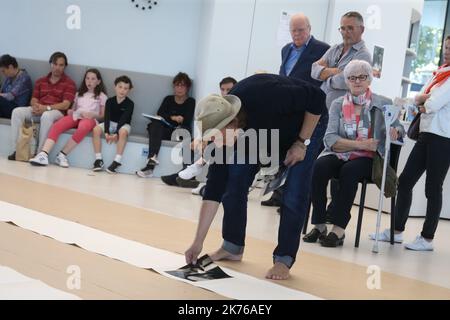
(151, 164)
(148, 167)
(113, 167)
(98, 165)
(202, 191)
(191, 183)
(171, 179)
(332, 240)
(315, 235)
(271, 203)
(12, 156)
(147, 171)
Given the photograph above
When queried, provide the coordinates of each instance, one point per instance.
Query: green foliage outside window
(429, 47)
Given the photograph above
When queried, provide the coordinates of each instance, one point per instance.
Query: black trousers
(348, 173)
(431, 153)
(157, 132)
(6, 108)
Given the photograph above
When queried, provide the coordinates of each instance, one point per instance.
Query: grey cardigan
(335, 130)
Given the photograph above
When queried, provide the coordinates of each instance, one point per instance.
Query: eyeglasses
(362, 77)
(298, 30)
(347, 28)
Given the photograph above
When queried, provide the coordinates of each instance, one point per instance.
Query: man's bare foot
(279, 271)
(221, 254)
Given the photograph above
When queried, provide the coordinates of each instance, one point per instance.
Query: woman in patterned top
(16, 90)
(356, 130)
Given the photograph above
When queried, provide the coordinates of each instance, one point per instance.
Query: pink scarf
(354, 130)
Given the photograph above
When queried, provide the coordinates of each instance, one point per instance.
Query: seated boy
(116, 125)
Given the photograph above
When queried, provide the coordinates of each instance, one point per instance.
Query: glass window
(428, 47)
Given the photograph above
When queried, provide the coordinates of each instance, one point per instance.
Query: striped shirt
(48, 93)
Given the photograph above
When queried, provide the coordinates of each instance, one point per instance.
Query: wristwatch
(49, 108)
(306, 142)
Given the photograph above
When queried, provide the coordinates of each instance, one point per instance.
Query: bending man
(267, 102)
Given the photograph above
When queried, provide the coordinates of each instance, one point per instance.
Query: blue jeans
(293, 211)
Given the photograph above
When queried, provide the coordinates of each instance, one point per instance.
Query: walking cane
(390, 115)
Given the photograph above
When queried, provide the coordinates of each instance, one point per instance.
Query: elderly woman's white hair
(357, 68)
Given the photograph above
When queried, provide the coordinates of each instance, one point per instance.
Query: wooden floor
(45, 259)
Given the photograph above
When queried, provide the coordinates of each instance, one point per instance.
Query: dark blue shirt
(18, 89)
(270, 102)
(276, 102)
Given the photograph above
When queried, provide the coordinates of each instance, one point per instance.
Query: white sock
(338, 231)
(98, 156)
(200, 162)
(118, 158)
(321, 227)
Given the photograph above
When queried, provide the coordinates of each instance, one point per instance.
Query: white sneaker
(62, 161)
(197, 190)
(191, 171)
(420, 244)
(386, 236)
(41, 159)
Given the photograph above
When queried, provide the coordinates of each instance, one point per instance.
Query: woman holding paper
(177, 111)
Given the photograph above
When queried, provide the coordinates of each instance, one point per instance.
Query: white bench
(134, 157)
(148, 93)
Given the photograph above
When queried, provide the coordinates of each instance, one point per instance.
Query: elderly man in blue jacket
(298, 56)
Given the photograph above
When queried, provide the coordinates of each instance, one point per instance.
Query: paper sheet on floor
(16, 286)
(241, 286)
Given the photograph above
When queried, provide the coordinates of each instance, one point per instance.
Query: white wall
(239, 37)
(225, 39)
(113, 33)
(265, 51)
(387, 26)
(208, 39)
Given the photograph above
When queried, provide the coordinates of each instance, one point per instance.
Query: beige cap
(215, 112)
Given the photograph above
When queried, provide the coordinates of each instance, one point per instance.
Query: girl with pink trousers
(88, 107)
